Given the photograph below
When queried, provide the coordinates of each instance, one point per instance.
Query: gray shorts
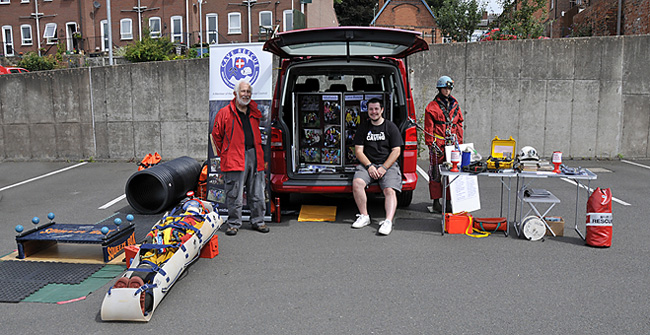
(392, 178)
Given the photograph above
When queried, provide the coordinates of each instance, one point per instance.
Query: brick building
(81, 25)
(568, 18)
(410, 15)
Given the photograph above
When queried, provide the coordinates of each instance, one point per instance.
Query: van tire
(404, 198)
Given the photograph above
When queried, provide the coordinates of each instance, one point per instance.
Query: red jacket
(436, 121)
(228, 135)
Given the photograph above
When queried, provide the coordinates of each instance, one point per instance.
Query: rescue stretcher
(139, 303)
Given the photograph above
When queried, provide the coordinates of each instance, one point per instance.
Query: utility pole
(36, 16)
(140, 9)
(110, 32)
(249, 4)
(201, 25)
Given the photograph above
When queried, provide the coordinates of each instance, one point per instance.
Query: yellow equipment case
(502, 155)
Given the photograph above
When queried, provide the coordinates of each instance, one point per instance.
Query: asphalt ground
(326, 278)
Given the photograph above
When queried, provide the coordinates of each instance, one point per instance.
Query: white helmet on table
(528, 153)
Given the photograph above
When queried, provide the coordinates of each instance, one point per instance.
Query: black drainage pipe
(159, 187)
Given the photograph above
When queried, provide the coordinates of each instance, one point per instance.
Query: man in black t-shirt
(377, 145)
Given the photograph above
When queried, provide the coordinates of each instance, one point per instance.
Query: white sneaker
(362, 221)
(385, 227)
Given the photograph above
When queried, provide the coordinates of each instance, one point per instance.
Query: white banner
(230, 63)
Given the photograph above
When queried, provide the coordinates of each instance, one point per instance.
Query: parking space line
(423, 173)
(113, 202)
(590, 190)
(635, 164)
(43, 176)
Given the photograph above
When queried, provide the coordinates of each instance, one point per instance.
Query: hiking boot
(261, 228)
(436, 207)
(231, 231)
(122, 283)
(362, 221)
(137, 282)
(385, 227)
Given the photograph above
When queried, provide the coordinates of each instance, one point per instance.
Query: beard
(242, 101)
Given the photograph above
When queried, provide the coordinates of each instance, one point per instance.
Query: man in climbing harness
(237, 138)
(443, 125)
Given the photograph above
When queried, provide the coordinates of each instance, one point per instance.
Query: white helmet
(528, 153)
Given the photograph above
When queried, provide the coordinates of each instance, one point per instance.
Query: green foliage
(459, 18)
(149, 49)
(517, 18)
(33, 62)
(355, 12)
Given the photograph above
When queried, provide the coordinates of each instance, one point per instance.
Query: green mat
(53, 293)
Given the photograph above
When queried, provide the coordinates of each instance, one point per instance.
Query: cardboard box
(556, 223)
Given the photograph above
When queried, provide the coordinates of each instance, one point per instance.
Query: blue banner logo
(238, 64)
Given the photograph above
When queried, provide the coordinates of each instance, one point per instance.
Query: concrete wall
(587, 97)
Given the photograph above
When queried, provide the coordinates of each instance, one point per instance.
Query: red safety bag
(491, 224)
(599, 218)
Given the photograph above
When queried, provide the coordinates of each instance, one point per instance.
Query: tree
(518, 18)
(149, 49)
(459, 18)
(355, 12)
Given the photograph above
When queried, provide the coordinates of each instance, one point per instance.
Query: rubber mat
(57, 293)
(19, 279)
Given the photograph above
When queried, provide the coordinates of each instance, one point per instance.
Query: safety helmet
(528, 153)
(192, 204)
(445, 82)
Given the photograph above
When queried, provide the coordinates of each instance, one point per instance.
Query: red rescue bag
(599, 218)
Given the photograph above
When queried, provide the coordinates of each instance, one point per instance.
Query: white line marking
(591, 190)
(43, 176)
(635, 164)
(423, 173)
(113, 202)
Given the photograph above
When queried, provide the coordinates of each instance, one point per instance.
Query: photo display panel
(319, 132)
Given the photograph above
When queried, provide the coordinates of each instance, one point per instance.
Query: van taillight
(411, 139)
(276, 139)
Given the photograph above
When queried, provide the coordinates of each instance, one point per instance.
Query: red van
(326, 76)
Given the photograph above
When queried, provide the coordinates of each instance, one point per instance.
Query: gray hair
(243, 81)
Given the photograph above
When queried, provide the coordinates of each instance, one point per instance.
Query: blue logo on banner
(239, 64)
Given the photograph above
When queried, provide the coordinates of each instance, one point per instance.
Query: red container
(457, 223)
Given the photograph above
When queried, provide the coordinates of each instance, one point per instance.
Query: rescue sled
(157, 265)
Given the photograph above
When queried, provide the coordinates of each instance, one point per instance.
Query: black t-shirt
(248, 131)
(378, 140)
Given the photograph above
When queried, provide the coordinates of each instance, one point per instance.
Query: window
(50, 33)
(8, 40)
(288, 20)
(154, 27)
(126, 29)
(2, 2)
(103, 27)
(26, 34)
(177, 29)
(211, 28)
(266, 19)
(24, 1)
(234, 23)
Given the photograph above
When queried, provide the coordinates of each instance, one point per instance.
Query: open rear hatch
(346, 41)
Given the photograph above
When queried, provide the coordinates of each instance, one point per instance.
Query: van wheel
(404, 198)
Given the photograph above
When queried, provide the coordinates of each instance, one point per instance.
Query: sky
(492, 6)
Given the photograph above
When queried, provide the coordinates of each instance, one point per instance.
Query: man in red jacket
(237, 138)
(443, 120)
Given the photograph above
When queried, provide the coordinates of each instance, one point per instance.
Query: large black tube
(159, 187)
